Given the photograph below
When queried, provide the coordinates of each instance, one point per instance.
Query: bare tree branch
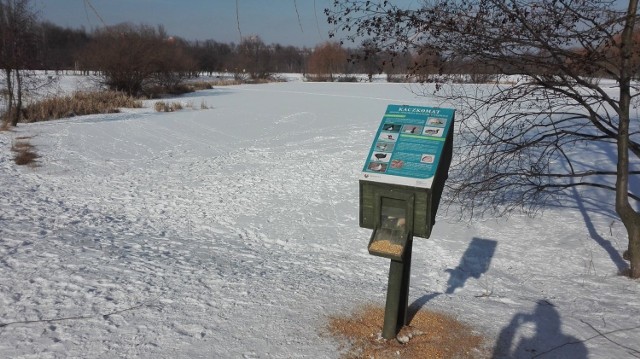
(105, 316)
(295, 6)
(238, 19)
(600, 334)
(88, 3)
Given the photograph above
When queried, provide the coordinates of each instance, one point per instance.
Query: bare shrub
(317, 78)
(192, 86)
(24, 152)
(5, 125)
(480, 78)
(227, 82)
(347, 79)
(258, 81)
(162, 106)
(429, 335)
(200, 85)
(398, 78)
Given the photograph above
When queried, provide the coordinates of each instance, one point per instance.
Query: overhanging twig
(2, 325)
(600, 334)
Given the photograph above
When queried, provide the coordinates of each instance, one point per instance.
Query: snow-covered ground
(232, 232)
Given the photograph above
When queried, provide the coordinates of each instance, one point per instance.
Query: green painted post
(392, 308)
(396, 308)
(404, 294)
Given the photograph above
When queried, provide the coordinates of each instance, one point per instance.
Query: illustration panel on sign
(408, 145)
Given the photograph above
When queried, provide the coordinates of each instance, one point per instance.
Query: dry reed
(78, 104)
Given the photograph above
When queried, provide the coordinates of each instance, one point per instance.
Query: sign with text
(408, 146)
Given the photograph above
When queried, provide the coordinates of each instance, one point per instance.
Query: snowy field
(232, 232)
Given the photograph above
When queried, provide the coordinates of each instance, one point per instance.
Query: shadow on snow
(548, 341)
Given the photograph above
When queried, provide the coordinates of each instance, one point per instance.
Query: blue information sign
(408, 145)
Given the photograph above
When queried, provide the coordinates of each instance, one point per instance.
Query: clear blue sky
(275, 21)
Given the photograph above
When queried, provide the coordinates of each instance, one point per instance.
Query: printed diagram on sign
(434, 121)
(412, 129)
(433, 131)
(384, 146)
(377, 166)
(381, 157)
(397, 164)
(391, 127)
(391, 137)
(427, 158)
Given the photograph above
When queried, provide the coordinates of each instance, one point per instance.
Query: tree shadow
(593, 201)
(474, 262)
(605, 244)
(547, 342)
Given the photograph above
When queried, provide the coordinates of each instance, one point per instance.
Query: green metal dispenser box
(403, 177)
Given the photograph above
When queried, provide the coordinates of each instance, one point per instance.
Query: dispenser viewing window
(393, 214)
(393, 223)
(389, 239)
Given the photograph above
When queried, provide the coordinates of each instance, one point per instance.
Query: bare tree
(369, 59)
(327, 60)
(521, 144)
(134, 59)
(288, 59)
(172, 65)
(211, 56)
(253, 57)
(17, 52)
(59, 46)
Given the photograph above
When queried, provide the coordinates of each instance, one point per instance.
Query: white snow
(232, 232)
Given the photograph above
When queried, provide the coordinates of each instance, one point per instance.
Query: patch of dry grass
(78, 104)
(429, 335)
(162, 106)
(24, 152)
(208, 85)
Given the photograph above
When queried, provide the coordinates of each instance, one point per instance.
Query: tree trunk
(630, 218)
(9, 82)
(18, 108)
(633, 252)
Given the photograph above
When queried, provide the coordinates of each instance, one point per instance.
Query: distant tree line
(63, 49)
(141, 59)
